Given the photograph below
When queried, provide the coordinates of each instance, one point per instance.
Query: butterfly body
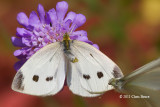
(67, 49)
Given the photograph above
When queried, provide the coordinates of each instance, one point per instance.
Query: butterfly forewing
(40, 74)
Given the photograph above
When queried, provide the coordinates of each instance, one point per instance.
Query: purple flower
(45, 28)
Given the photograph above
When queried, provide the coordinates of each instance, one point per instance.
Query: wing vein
(95, 60)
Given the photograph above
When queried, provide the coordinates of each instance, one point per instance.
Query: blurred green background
(127, 31)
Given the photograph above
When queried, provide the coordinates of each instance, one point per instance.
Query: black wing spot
(99, 74)
(19, 81)
(91, 55)
(86, 76)
(35, 78)
(49, 78)
(117, 72)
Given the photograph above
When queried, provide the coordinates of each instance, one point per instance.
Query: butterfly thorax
(66, 42)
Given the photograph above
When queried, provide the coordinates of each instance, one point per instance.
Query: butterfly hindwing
(43, 74)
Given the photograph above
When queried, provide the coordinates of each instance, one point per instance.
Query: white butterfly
(87, 70)
(144, 81)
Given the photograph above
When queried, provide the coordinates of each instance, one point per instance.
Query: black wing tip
(117, 73)
(17, 83)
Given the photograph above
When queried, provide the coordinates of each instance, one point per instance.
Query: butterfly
(145, 81)
(86, 70)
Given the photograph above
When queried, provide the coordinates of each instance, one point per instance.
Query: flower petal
(21, 53)
(71, 15)
(61, 9)
(73, 37)
(48, 19)
(26, 41)
(79, 20)
(17, 42)
(21, 32)
(89, 42)
(19, 64)
(22, 19)
(66, 25)
(53, 16)
(17, 52)
(80, 33)
(41, 13)
(82, 38)
(33, 19)
(96, 46)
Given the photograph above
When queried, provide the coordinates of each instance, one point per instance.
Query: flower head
(45, 28)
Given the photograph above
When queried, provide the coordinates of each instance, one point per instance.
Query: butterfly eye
(35, 78)
(99, 74)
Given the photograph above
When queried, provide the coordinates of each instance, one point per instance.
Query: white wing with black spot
(74, 84)
(44, 73)
(93, 68)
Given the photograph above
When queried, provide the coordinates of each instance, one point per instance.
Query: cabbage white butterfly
(87, 70)
(144, 81)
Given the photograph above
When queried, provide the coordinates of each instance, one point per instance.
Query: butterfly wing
(43, 74)
(144, 81)
(74, 84)
(93, 68)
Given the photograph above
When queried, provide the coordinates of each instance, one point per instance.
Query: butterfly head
(66, 37)
(116, 83)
